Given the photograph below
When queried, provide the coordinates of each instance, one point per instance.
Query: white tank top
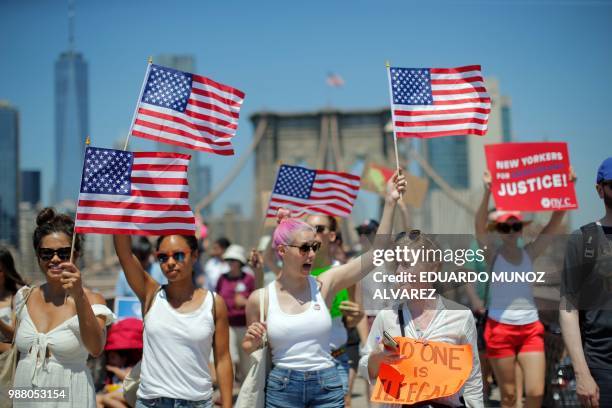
(176, 350)
(300, 341)
(512, 303)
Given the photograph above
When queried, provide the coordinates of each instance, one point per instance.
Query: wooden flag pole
(397, 163)
(259, 280)
(144, 82)
(87, 143)
(392, 114)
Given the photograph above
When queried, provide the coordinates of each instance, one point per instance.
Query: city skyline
(547, 56)
(9, 182)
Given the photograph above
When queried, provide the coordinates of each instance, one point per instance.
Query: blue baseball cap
(604, 172)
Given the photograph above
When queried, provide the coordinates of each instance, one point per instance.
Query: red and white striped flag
(335, 80)
(433, 102)
(187, 110)
(144, 193)
(307, 191)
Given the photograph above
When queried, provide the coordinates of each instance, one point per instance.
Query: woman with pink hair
(298, 322)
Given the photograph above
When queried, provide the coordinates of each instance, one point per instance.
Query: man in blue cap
(586, 305)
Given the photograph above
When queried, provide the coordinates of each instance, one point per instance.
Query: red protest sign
(531, 176)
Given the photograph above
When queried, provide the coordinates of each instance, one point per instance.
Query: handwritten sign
(428, 371)
(530, 176)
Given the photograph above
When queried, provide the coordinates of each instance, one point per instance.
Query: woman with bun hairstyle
(182, 324)
(297, 318)
(60, 322)
(9, 280)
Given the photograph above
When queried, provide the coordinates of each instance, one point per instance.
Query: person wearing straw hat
(60, 322)
(297, 318)
(513, 331)
(235, 287)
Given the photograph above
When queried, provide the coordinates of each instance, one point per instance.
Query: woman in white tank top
(298, 322)
(9, 279)
(513, 332)
(182, 324)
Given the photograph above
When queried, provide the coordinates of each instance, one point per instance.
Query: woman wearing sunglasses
(436, 319)
(59, 322)
(182, 325)
(9, 280)
(298, 322)
(513, 332)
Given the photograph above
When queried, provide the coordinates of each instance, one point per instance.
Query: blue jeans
(172, 403)
(342, 364)
(313, 389)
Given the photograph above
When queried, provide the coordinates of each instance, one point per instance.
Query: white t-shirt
(300, 341)
(512, 302)
(176, 350)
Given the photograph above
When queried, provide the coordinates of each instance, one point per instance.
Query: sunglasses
(506, 228)
(306, 247)
(178, 256)
(47, 254)
(413, 235)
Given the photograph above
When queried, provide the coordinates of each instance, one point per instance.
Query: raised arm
(91, 327)
(139, 280)
(547, 235)
(482, 214)
(343, 276)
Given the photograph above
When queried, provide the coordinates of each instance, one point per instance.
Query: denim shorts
(172, 403)
(343, 365)
(314, 389)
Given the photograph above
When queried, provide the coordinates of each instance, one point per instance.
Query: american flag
(303, 190)
(144, 193)
(187, 110)
(334, 80)
(433, 102)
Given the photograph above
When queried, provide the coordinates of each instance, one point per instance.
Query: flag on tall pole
(434, 102)
(187, 110)
(306, 191)
(334, 80)
(142, 193)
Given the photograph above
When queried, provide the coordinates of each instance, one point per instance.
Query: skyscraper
(460, 160)
(9, 168)
(30, 187)
(71, 118)
(184, 63)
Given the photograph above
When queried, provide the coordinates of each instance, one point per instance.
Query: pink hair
(287, 228)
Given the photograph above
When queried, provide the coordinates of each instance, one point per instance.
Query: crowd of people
(202, 320)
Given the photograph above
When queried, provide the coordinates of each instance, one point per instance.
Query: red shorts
(507, 340)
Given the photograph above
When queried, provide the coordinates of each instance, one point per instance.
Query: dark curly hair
(191, 241)
(11, 277)
(49, 222)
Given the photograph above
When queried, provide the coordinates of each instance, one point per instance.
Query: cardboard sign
(429, 370)
(375, 177)
(531, 176)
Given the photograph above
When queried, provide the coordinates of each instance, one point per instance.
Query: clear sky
(553, 58)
